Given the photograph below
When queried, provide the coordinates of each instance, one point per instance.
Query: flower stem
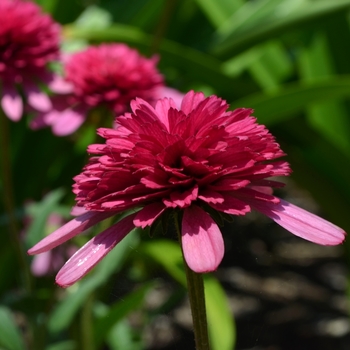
(196, 296)
(8, 196)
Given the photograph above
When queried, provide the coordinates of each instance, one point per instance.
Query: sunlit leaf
(272, 22)
(218, 11)
(274, 107)
(167, 254)
(330, 118)
(94, 17)
(220, 321)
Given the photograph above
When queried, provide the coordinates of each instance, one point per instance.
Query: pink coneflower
(109, 76)
(29, 40)
(194, 160)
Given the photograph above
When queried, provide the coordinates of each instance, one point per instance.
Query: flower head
(112, 74)
(195, 159)
(109, 76)
(29, 40)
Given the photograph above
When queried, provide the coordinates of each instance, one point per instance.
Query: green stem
(163, 23)
(196, 296)
(8, 196)
(87, 338)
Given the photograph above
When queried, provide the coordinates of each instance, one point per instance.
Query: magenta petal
(69, 230)
(38, 99)
(41, 264)
(93, 252)
(12, 104)
(191, 100)
(174, 94)
(302, 223)
(202, 242)
(147, 215)
(60, 86)
(68, 122)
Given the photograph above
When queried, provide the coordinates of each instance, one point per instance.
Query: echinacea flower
(196, 159)
(109, 76)
(29, 40)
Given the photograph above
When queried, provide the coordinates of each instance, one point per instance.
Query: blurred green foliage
(287, 59)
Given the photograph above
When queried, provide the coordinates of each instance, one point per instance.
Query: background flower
(109, 76)
(29, 40)
(197, 159)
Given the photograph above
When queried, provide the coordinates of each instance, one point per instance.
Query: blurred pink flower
(29, 40)
(190, 159)
(108, 75)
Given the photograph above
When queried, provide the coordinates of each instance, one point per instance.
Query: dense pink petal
(191, 101)
(231, 205)
(12, 104)
(301, 223)
(68, 231)
(202, 241)
(147, 215)
(174, 94)
(93, 251)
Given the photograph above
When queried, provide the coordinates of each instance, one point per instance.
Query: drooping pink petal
(301, 223)
(59, 85)
(202, 242)
(37, 99)
(93, 252)
(147, 215)
(69, 230)
(41, 264)
(68, 122)
(12, 104)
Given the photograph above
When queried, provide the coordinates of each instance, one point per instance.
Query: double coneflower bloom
(29, 40)
(195, 160)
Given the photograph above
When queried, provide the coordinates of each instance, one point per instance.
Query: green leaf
(63, 345)
(218, 11)
(118, 311)
(271, 66)
(121, 337)
(10, 337)
(220, 321)
(113, 262)
(39, 213)
(272, 22)
(274, 107)
(167, 254)
(94, 17)
(330, 118)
